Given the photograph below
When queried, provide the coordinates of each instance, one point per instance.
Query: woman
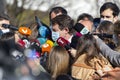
(88, 60)
(58, 62)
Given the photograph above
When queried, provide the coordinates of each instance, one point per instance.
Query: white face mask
(55, 35)
(101, 20)
(5, 30)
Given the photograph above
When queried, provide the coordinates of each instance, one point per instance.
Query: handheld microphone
(25, 31)
(22, 30)
(9, 26)
(64, 43)
(74, 41)
(81, 29)
(50, 43)
(44, 31)
(46, 48)
(41, 40)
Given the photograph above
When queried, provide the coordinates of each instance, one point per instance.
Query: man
(87, 20)
(4, 19)
(55, 11)
(109, 11)
(62, 27)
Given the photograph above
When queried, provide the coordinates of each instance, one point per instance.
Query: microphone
(50, 43)
(64, 43)
(74, 41)
(42, 40)
(9, 26)
(25, 31)
(22, 30)
(81, 29)
(46, 48)
(44, 31)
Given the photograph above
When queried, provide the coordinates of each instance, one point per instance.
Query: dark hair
(4, 16)
(7, 43)
(106, 27)
(64, 21)
(85, 15)
(57, 10)
(87, 45)
(112, 6)
(64, 77)
(117, 27)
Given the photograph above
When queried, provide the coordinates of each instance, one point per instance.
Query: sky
(74, 7)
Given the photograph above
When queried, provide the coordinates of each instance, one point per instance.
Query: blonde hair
(58, 61)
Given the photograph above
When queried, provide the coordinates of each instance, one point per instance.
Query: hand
(114, 74)
(73, 52)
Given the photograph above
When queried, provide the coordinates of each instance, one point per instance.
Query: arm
(111, 55)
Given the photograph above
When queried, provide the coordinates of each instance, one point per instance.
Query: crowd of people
(64, 50)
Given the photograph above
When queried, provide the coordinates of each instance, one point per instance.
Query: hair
(117, 31)
(64, 21)
(34, 29)
(117, 27)
(87, 45)
(64, 77)
(57, 10)
(85, 15)
(58, 61)
(112, 6)
(7, 43)
(106, 27)
(4, 16)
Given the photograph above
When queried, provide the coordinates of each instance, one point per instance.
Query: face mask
(5, 30)
(101, 20)
(55, 35)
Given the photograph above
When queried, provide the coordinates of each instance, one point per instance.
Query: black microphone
(9, 26)
(81, 28)
(64, 43)
(74, 41)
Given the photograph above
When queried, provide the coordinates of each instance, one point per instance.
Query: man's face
(87, 23)
(57, 29)
(108, 15)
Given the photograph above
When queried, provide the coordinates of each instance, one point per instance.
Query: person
(58, 62)
(105, 31)
(11, 55)
(109, 11)
(55, 11)
(4, 19)
(62, 26)
(114, 74)
(117, 34)
(88, 61)
(87, 20)
(112, 55)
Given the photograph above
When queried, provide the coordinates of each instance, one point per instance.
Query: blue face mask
(55, 35)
